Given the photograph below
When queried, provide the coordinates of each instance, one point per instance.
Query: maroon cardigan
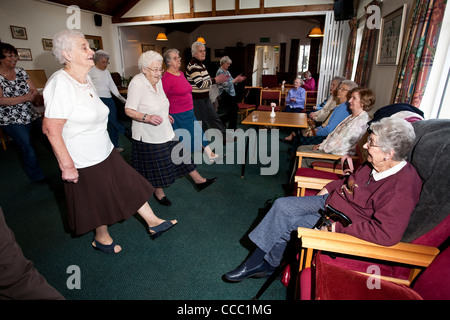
(380, 210)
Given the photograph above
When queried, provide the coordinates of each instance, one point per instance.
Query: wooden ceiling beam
(222, 13)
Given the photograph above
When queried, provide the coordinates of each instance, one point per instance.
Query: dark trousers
(205, 112)
(228, 109)
(19, 280)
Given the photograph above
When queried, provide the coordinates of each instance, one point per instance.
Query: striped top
(199, 79)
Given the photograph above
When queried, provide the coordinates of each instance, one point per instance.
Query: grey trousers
(286, 215)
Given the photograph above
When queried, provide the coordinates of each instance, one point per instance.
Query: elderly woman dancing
(379, 199)
(101, 188)
(179, 92)
(156, 152)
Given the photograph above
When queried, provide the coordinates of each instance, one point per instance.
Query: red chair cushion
(310, 172)
(242, 105)
(334, 283)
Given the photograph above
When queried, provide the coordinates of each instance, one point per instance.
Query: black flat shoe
(164, 200)
(207, 183)
(243, 272)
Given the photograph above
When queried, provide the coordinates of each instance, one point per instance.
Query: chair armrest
(327, 156)
(405, 253)
(304, 183)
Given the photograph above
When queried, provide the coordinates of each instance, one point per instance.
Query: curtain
(368, 44)
(293, 58)
(418, 57)
(351, 47)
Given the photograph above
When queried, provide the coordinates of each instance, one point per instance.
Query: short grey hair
(99, 55)
(301, 80)
(147, 58)
(194, 47)
(63, 41)
(225, 59)
(394, 134)
(339, 79)
(351, 84)
(167, 53)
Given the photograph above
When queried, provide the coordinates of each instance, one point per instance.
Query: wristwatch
(145, 116)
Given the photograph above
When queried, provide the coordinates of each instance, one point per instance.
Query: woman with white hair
(105, 85)
(101, 188)
(179, 92)
(227, 93)
(378, 199)
(201, 82)
(156, 152)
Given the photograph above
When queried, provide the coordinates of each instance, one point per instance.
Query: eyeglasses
(176, 58)
(343, 89)
(156, 70)
(370, 143)
(12, 56)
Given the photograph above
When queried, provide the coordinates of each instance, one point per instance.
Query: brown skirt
(105, 193)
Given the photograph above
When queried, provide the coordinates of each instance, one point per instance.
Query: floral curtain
(368, 44)
(351, 47)
(418, 57)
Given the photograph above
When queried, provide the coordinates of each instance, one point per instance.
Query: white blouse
(143, 98)
(84, 133)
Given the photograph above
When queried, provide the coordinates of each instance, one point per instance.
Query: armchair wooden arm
(304, 183)
(418, 256)
(326, 156)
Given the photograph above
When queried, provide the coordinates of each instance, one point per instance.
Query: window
(303, 58)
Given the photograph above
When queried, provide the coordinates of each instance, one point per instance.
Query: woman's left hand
(155, 120)
(171, 119)
(316, 147)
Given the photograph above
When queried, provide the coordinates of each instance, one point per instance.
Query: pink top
(178, 91)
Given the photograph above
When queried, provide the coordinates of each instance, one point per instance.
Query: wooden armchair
(428, 228)
(249, 101)
(267, 97)
(414, 255)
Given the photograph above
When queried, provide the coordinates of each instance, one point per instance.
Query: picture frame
(95, 42)
(47, 44)
(19, 32)
(24, 54)
(390, 37)
(147, 47)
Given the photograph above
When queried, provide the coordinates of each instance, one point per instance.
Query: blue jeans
(286, 215)
(21, 134)
(114, 126)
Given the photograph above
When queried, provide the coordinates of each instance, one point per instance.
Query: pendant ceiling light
(161, 37)
(315, 33)
(201, 39)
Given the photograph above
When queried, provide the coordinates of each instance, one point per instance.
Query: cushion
(334, 283)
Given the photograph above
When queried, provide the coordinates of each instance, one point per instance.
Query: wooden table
(282, 119)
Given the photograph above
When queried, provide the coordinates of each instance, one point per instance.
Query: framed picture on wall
(147, 47)
(390, 37)
(19, 32)
(24, 54)
(47, 44)
(95, 42)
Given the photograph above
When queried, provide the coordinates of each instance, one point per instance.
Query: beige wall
(43, 20)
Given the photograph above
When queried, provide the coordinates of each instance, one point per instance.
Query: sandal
(158, 230)
(106, 248)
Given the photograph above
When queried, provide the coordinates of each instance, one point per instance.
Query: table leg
(245, 156)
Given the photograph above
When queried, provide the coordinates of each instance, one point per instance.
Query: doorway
(266, 62)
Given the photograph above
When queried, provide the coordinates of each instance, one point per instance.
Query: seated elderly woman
(153, 138)
(378, 198)
(295, 99)
(342, 140)
(338, 114)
